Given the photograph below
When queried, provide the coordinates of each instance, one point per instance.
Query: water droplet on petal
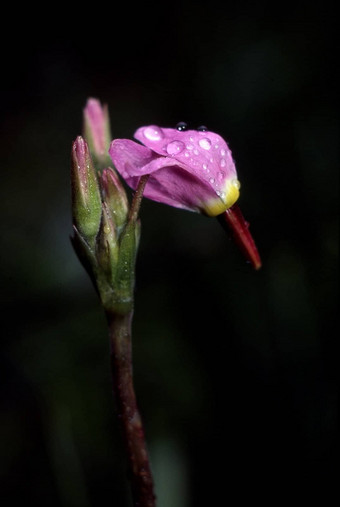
(205, 167)
(205, 143)
(187, 154)
(153, 133)
(222, 162)
(196, 152)
(181, 126)
(202, 128)
(221, 175)
(222, 152)
(212, 180)
(175, 147)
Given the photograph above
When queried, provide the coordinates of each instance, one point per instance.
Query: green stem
(131, 423)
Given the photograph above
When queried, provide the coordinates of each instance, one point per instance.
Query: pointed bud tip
(79, 150)
(96, 127)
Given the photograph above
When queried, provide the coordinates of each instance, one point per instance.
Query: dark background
(235, 370)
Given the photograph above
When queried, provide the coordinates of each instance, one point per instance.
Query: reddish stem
(239, 229)
(131, 423)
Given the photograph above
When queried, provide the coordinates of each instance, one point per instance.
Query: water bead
(153, 133)
(181, 126)
(202, 128)
(223, 162)
(205, 143)
(175, 147)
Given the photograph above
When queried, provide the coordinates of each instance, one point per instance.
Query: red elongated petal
(239, 229)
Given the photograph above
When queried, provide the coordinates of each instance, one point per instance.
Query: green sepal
(86, 198)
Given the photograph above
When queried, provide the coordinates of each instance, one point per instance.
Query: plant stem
(131, 423)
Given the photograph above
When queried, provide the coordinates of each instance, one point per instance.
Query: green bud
(107, 244)
(125, 271)
(86, 199)
(115, 197)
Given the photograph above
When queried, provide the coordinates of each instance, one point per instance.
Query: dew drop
(211, 180)
(205, 143)
(202, 128)
(153, 133)
(187, 154)
(221, 175)
(181, 126)
(222, 152)
(196, 152)
(205, 167)
(223, 162)
(175, 147)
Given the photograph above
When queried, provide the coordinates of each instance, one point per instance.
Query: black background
(235, 370)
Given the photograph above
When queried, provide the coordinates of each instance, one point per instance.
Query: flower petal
(175, 186)
(173, 182)
(204, 153)
(130, 158)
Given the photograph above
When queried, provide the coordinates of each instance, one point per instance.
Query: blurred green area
(235, 370)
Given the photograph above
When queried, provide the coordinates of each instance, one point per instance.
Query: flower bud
(115, 197)
(97, 130)
(107, 244)
(125, 270)
(86, 199)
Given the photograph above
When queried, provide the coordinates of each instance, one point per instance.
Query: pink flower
(187, 169)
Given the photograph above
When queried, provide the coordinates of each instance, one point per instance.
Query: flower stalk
(139, 470)
(106, 238)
